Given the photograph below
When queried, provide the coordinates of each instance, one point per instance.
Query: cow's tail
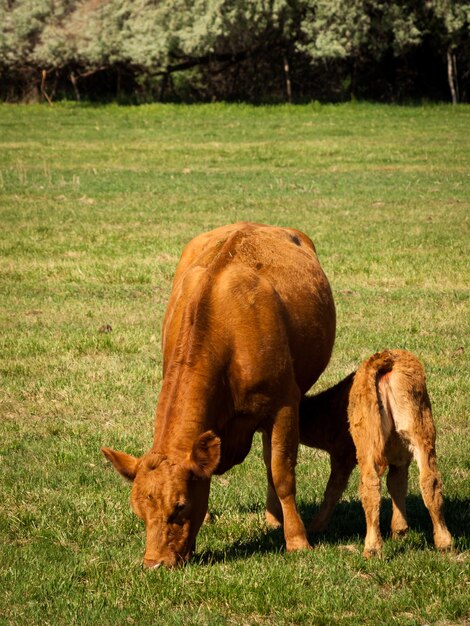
(228, 250)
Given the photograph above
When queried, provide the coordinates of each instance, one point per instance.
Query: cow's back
(247, 272)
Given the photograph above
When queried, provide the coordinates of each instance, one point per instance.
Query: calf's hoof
(399, 533)
(372, 552)
(443, 543)
(272, 520)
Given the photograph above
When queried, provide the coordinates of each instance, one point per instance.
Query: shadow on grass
(348, 525)
(348, 519)
(268, 542)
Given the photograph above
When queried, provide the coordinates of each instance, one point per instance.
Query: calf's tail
(370, 418)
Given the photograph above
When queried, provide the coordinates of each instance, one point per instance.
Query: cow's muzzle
(177, 562)
(149, 564)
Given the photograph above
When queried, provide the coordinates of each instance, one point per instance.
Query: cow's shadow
(348, 525)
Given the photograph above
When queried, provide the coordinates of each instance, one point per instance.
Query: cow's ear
(205, 455)
(125, 464)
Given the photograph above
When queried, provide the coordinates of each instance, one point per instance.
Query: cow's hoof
(298, 544)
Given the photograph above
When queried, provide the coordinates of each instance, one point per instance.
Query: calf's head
(170, 496)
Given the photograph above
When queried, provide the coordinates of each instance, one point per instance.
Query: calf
(381, 416)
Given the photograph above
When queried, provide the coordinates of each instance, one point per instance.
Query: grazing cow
(380, 415)
(249, 327)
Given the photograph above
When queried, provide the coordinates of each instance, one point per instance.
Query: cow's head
(171, 497)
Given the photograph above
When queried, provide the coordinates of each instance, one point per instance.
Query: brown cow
(380, 415)
(249, 327)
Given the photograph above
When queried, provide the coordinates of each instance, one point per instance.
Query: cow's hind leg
(341, 469)
(369, 491)
(397, 484)
(431, 489)
(284, 445)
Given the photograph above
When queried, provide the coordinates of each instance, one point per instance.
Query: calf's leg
(431, 489)
(338, 481)
(369, 491)
(397, 484)
(273, 505)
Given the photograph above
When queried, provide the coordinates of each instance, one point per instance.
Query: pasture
(96, 204)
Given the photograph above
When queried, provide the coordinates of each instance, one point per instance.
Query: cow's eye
(150, 497)
(179, 508)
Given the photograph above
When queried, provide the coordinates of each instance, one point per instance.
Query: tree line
(250, 50)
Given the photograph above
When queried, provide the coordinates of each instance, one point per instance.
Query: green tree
(352, 30)
(176, 35)
(208, 41)
(449, 20)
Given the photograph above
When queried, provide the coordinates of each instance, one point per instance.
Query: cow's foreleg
(338, 481)
(284, 445)
(397, 484)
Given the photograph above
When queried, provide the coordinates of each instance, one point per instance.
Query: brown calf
(249, 327)
(381, 416)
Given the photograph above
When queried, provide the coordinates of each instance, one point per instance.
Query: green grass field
(96, 204)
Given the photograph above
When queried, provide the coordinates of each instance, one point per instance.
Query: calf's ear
(205, 455)
(125, 464)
